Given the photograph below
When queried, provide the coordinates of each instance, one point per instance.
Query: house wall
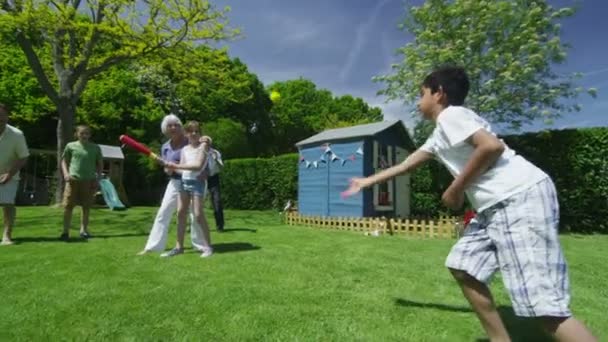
(340, 172)
(312, 183)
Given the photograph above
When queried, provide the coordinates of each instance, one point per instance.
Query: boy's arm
(408, 165)
(64, 163)
(487, 150)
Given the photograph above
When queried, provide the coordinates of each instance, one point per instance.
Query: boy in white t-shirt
(516, 227)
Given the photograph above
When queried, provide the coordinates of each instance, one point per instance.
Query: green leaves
(508, 48)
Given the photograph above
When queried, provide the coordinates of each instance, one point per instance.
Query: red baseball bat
(136, 145)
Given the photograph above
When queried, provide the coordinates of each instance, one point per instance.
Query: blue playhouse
(329, 159)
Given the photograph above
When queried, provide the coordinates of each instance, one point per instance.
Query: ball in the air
(275, 96)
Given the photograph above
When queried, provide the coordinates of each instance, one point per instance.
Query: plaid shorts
(520, 236)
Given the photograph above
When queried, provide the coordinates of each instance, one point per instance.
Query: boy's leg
(9, 213)
(472, 262)
(67, 219)
(525, 232)
(84, 220)
(8, 192)
(479, 296)
(567, 329)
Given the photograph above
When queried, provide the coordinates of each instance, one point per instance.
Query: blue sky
(341, 44)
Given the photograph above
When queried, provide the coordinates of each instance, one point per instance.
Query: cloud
(364, 31)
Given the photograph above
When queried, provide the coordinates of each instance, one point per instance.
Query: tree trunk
(65, 126)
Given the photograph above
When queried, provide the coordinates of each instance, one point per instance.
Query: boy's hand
(67, 178)
(170, 165)
(5, 177)
(356, 184)
(453, 197)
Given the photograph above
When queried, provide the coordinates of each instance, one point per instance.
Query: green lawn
(267, 281)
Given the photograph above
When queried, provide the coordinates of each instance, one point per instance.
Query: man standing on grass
(13, 156)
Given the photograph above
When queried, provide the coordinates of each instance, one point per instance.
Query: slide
(110, 195)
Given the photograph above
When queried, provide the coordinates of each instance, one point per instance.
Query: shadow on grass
(519, 328)
(232, 230)
(33, 239)
(230, 247)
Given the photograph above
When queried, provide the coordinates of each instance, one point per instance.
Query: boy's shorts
(8, 192)
(519, 236)
(193, 186)
(79, 192)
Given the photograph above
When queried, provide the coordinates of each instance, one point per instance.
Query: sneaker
(7, 242)
(64, 237)
(206, 254)
(85, 235)
(173, 252)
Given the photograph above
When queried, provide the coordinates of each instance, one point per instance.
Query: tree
(85, 39)
(508, 48)
(304, 110)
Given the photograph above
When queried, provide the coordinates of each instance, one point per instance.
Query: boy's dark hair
(453, 80)
(192, 126)
(4, 108)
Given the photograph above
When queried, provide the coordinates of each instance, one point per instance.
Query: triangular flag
(334, 157)
(301, 159)
(360, 150)
(328, 149)
(322, 157)
(352, 157)
(344, 161)
(307, 164)
(314, 163)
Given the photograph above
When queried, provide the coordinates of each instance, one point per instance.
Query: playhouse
(328, 161)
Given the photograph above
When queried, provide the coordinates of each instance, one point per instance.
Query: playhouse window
(383, 193)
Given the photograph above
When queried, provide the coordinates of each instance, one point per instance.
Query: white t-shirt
(509, 175)
(215, 162)
(191, 155)
(12, 147)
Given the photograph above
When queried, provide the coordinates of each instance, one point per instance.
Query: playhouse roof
(355, 132)
(111, 152)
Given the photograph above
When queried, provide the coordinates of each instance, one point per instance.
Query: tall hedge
(260, 183)
(577, 160)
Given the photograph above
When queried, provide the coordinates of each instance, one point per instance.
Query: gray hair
(169, 119)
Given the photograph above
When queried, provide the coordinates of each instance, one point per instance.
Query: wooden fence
(442, 227)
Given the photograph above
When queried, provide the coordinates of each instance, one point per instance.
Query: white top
(509, 175)
(191, 155)
(12, 147)
(215, 162)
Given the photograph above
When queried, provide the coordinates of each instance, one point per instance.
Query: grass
(267, 281)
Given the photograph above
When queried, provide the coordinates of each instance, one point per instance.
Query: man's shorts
(8, 192)
(519, 236)
(193, 186)
(79, 192)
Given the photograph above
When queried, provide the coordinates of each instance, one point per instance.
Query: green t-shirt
(82, 159)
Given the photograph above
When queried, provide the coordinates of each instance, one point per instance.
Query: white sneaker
(206, 254)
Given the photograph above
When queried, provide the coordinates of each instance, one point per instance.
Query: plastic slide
(110, 195)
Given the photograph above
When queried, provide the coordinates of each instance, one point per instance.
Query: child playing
(516, 227)
(81, 165)
(193, 163)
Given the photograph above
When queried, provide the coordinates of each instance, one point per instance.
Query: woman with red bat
(172, 128)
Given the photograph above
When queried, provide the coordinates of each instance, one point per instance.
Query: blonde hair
(192, 126)
(169, 119)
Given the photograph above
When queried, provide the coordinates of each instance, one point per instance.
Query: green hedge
(257, 183)
(577, 160)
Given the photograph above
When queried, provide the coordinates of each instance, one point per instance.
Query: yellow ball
(275, 96)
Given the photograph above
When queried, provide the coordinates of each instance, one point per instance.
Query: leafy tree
(84, 39)
(508, 48)
(304, 110)
(229, 136)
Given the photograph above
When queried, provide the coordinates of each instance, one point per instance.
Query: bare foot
(7, 242)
